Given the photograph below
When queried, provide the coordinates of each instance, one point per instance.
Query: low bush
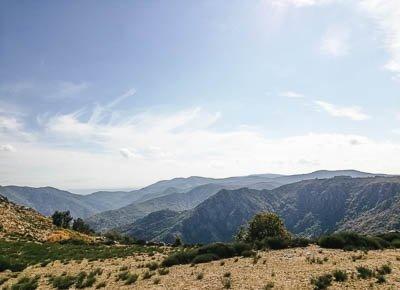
(339, 275)
(396, 243)
(62, 282)
(17, 255)
(26, 283)
(8, 263)
(152, 266)
(163, 271)
(204, 258)
(207, 253)
(352, 241)
(380, 279)
(299, 242)
(364, 272)
(322, 282)
(384, 269)
(131, 278)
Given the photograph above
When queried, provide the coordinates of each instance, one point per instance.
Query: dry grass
(284, 269)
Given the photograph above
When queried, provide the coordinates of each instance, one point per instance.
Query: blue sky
(95, 94)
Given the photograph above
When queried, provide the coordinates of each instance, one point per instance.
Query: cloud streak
(353, 113)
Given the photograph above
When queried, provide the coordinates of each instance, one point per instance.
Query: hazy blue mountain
(46, 200)
(175, 201)
(131, 205)
(309, 208)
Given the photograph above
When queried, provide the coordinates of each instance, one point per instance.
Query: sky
(100, 94)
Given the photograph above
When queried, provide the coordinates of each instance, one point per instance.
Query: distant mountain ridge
(176, 201)
(309, 208)
(138, 203)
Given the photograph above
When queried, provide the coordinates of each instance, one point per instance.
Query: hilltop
(20, 222)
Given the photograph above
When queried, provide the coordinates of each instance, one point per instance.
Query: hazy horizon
(123, 94)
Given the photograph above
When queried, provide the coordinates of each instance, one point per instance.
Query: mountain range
(203, 210)
(186, 200)
(308, 208)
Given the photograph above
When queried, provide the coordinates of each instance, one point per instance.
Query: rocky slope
(16, 220)
(309, 208)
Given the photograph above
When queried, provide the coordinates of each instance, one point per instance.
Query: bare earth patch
(284, 269)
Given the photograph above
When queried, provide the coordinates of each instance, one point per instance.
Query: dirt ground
(284, 269)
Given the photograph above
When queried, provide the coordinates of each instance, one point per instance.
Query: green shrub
(156, 281)
(62, 282)
(147, 275)
(163, 271)
(200, 276)
(332, 242)
(339, 275)
(181, 257)
(204, 258)
(322, 282)
(276, 243)
(396, 243)
(7, 263)
(364, 272)
(299, 242)
(380, 279)
(131, 278)
(384, 269)
(248, 254)
(26, 283)
(352, 241)
(152, 266)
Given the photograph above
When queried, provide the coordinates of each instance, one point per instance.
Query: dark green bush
(62, 282)
(384, 269)
(332, 242)
(26, 283)
(221, 250)
(352, 241)
(204, 258)
(380, 279)
(322, 282)
(339, 275)
(276, 243)
(364, 272)
(181, 257)
(299, 242)
(248, 253)
(7, 263)
(395, 243)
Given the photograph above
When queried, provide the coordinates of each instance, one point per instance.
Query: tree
(80, 226)
(62, 218)
(178, 241)
(262, 226)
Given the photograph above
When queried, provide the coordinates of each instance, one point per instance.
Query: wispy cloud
(354, 113)
(7, 148)
(386, 14)
(292, 94)
(335, 42)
